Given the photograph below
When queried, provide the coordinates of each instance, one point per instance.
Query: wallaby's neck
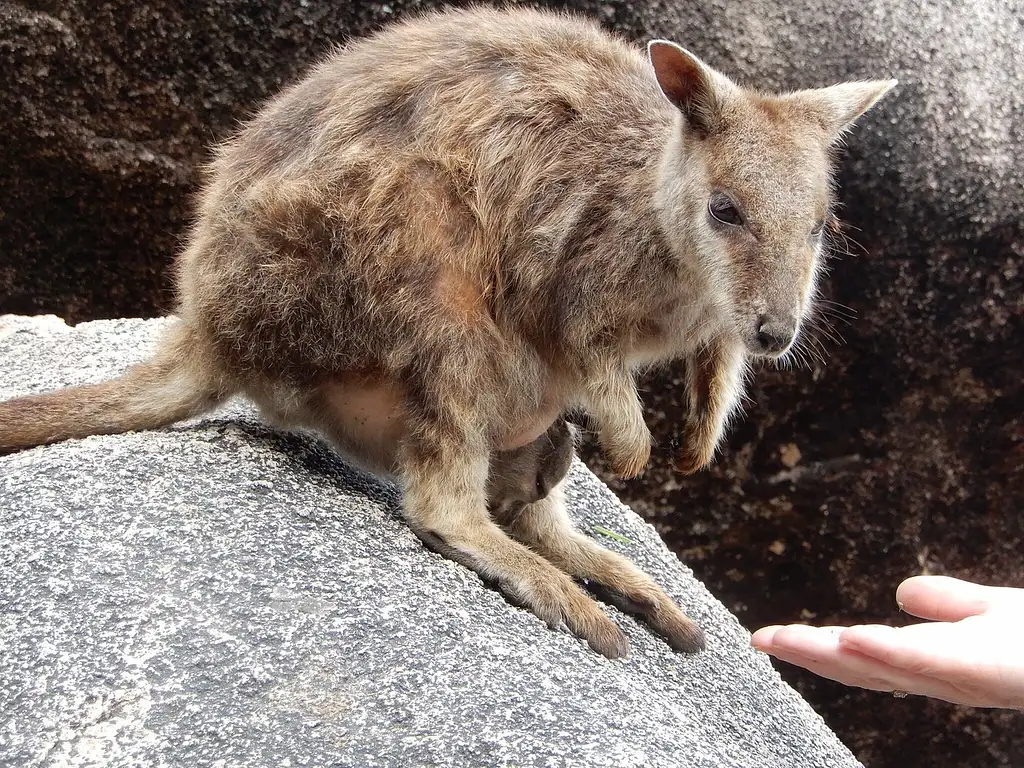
(675, 309)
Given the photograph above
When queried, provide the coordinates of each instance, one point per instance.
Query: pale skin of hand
(971, 652)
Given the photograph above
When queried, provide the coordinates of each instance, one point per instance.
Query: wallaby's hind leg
(445, 480)
(545, 528)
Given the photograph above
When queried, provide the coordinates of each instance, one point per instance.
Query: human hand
(972, 653)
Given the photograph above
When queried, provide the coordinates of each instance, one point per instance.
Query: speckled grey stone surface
(220, 594)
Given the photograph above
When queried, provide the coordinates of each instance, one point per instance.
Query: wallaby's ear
(690, 84)
(837, 107)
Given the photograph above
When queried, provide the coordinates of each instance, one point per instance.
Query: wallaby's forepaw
(697, 453)
(628, 456)
(689, 463)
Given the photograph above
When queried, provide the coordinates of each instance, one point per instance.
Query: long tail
(172, 386)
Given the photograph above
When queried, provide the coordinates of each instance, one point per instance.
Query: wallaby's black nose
(774, 336)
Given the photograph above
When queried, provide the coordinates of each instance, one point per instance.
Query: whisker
(820, 351)
(824, 327)
(811, 355)
(836, 307)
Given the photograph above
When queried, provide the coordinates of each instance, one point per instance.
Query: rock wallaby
(452, 232)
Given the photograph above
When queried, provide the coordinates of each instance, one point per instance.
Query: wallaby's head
(744, 190)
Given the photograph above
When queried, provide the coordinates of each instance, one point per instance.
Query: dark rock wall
(901, 454)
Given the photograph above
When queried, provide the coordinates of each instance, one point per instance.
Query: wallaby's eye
(724, 210)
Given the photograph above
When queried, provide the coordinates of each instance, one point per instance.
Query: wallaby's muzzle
(772, 335)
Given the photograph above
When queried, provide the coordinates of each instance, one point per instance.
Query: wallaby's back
(432, 156)
(469, 130)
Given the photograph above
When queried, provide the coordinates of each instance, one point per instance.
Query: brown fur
(450, 233)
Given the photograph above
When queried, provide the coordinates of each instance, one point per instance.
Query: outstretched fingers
(936, 650)
(982, 656)
(819, 650)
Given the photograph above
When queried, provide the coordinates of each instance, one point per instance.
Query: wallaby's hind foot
(527, 580)
(446, 505)
(659, 612)
(545, 528)
(525, 497)
(172, 386)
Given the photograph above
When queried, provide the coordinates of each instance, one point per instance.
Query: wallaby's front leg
(611, 399)
(445, 479)
(545, 527)
(714, 384)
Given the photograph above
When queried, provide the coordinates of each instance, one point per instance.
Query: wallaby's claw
(609, 641)
(689, 464)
